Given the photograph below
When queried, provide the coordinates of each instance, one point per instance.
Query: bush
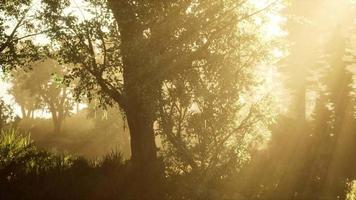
(29, 173)
(20, 157)
(6, 114)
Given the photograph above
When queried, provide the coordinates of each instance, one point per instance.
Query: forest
(178, 100)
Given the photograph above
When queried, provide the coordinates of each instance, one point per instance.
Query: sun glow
(271, 20)
(268, 73)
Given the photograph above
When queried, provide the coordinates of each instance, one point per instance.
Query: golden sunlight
(178, 99)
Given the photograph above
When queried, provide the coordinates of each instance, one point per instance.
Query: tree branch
(12, 34)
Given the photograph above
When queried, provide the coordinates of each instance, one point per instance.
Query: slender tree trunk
(57, 123)
(57, 126)
(23, 112)
(32, 114)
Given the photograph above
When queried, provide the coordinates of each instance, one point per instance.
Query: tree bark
(143, 148)
(146, 172)
(57, 122)
(140, 92)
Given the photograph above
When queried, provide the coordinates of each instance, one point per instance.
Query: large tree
(183, 69)
(159, 59)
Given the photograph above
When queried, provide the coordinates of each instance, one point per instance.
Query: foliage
(191, 53)
(311, 150)
(27, 100)
(186, 75)
(41, 87)
(110, 123)
(19, 156)
(17, 27)
(332, 128)
(6, 114)
(29, 173)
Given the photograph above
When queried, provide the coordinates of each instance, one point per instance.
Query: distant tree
(42, 88)
(110, 122)
(315, 167)
(307, 61)
(327, 164)
(340, 83)
(27, 101)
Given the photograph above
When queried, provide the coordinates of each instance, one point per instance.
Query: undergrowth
(29, 173)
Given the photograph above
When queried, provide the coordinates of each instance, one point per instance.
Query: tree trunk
(143, 148)
(57, 127)
(57, 124)
(140, 92)
(146, 172)
(32, 114)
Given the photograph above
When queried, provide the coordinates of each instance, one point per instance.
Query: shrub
(20, 157)
(6, 114)
(29, 173)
